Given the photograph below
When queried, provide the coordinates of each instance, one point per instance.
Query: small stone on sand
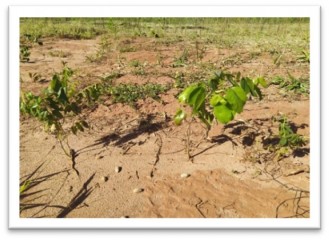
(185, 175)
(118, 169)
(138, 190)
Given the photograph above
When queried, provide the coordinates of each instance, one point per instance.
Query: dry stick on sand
(200, 203)
(157, 155)
(73, 156)
(188, 134)
(296, 200)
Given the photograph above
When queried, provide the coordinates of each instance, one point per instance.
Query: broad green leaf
(248, 86)
(184, 96)
(197, 98)
(236, 98)
(244, 85)
(179, 117)
(216, 100)
(240, 93)
(223, 114)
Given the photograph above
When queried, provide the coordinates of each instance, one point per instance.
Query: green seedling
(55, 106)
(35, 77)
(287, 137)
(293, 84)
(131, 93)
(209, 103)
(25, 53)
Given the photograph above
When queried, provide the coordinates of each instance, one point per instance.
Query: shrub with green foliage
(55, 105)
(209, 102)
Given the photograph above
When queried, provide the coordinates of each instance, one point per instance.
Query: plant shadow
(78, 199)
(146, 125)
(29, 193)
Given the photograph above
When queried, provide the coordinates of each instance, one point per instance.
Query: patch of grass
(299, 86)
(139, 68)
(59, 53)
(288, 137)
(304, 57)
(291, 34)
(72, 28)
(135, 63)
(131, 93)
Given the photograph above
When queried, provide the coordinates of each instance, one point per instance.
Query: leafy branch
(211, 102)
(55, 105)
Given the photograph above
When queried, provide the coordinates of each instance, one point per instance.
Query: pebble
(105, 178)
(99, 157)
(118, 169)
(185, 175)
(138, 190)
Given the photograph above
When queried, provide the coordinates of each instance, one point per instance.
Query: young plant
(182, 60)
(27, 41)
(54, 106)
(293, 84)
(24, 53)
(209, 103)
(35, 77)
(297, 85)
(286, 142)
(288, 138)
(104, 48)
(131, 93)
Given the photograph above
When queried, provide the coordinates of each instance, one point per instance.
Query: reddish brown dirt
(228, 178)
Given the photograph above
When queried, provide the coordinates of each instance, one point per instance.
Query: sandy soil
(229, 176)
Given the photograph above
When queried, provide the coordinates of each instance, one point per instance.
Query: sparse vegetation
(56, 105)
(144, 90)
(300, 86)
(130, 93)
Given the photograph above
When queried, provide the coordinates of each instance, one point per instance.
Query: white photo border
(16, 12)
